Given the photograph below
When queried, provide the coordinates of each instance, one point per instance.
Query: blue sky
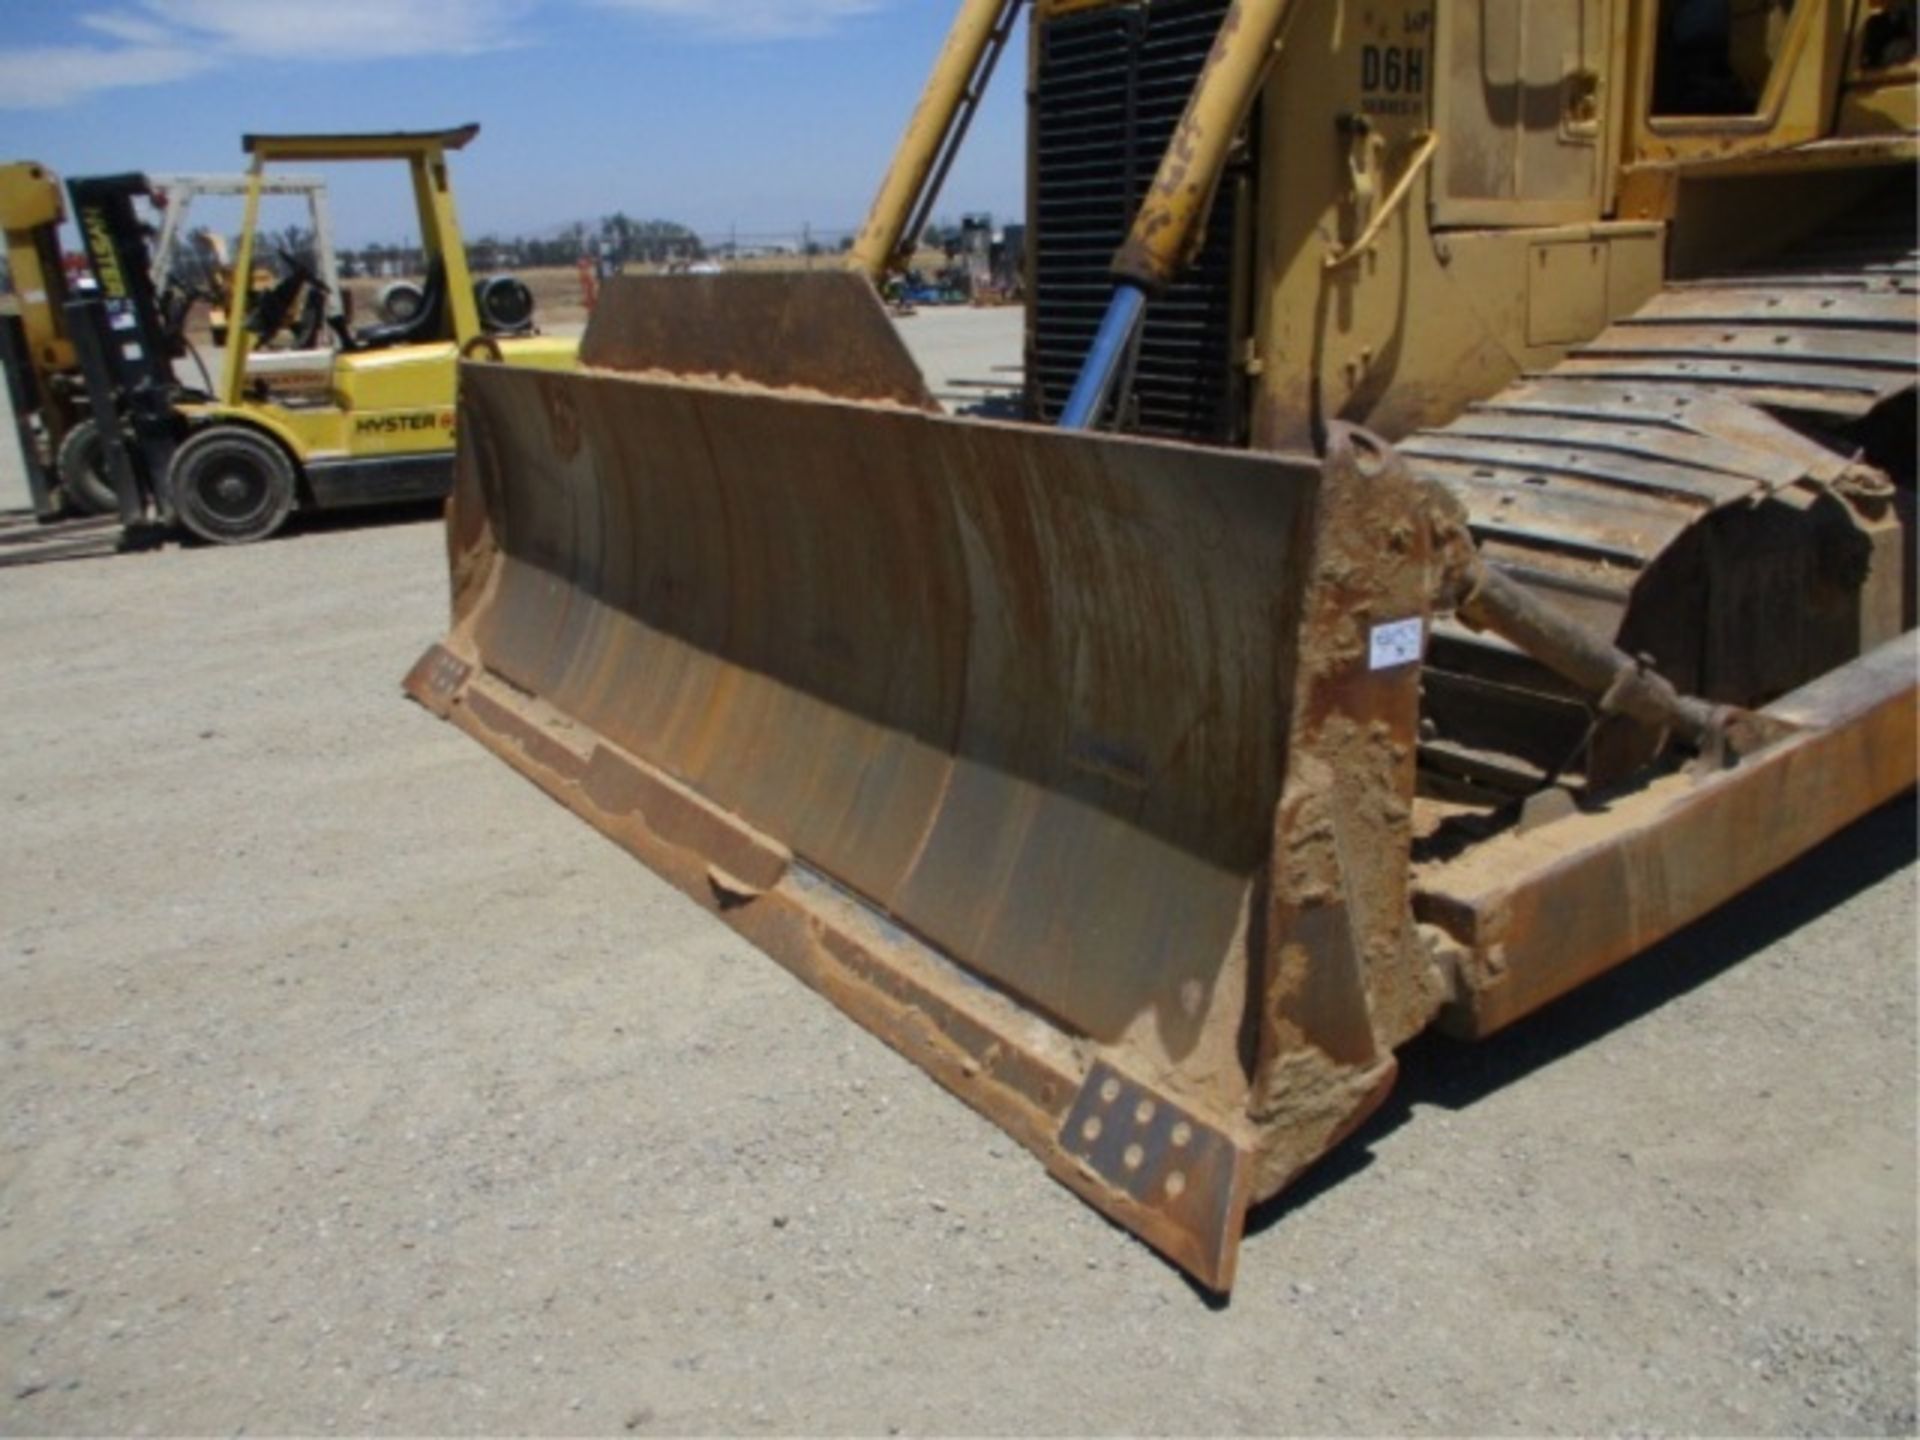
(761, 114)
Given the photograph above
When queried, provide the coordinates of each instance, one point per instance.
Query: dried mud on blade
(1062, 762)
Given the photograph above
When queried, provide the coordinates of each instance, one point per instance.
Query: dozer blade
(986, 731)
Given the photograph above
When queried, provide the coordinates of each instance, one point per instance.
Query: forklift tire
(82, 468)
(231, 486)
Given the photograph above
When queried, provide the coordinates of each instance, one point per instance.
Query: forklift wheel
(232, 486)
(82, 467)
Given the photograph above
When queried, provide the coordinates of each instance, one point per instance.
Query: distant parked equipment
(401, 301)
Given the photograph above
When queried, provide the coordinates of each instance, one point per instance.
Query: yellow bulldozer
(1462, 533)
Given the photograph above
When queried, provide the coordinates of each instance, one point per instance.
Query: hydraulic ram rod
(1487, 599)
(1620, 684)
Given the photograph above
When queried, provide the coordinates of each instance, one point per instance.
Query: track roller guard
(1076, 767)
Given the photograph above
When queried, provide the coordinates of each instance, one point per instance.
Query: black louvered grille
(1113, 83)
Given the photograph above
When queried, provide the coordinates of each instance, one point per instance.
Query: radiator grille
(1112, 85)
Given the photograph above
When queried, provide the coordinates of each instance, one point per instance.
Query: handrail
(1401, 189)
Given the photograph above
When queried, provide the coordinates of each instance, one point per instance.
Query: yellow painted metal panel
(1566, 291)
(1522, 109)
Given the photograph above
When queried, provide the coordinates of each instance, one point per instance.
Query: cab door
(1524, 111)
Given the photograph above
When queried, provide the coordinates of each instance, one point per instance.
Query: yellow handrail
(1401, 188)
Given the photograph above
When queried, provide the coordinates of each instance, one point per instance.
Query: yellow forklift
(189, 269)
(364, 418)
(36, 355)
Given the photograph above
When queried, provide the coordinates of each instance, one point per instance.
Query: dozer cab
(1461, 534)
(362, 417)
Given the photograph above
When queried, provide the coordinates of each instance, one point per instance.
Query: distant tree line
(616, 238)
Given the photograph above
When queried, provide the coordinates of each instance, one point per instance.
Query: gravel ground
(347, 1083)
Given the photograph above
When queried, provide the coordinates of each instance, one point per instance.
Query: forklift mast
(125, 354)
(139, 352)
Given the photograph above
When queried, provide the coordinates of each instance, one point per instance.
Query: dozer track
(1690, 483)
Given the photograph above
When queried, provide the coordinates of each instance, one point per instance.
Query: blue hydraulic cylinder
(1095, 385)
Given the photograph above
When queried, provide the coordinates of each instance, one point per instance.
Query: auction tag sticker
(1396, 643)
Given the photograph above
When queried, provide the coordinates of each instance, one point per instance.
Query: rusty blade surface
(977, 728)
(826, 332)
(1024, 692)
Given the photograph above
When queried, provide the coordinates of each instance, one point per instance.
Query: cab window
(1715, 57)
